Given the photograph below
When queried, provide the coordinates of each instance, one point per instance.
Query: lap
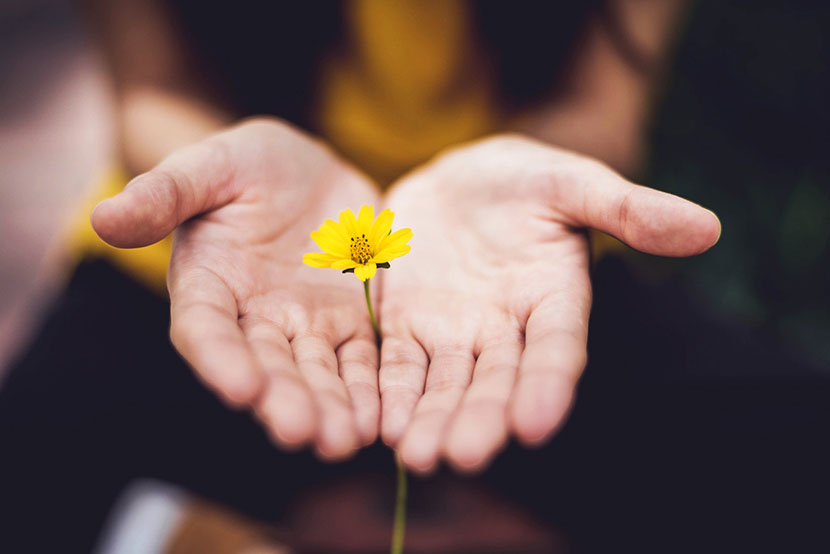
(101, 398)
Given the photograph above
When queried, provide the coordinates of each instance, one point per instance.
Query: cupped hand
(485, 322)
(259, 327)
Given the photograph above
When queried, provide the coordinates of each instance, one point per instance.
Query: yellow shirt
(409, 84)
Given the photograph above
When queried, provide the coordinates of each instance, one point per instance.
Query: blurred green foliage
(744, 129)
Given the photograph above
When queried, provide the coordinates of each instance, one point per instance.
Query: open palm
(257, 325)
(485, 323)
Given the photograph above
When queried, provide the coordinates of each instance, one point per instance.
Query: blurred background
(56, 135)
(704, 410)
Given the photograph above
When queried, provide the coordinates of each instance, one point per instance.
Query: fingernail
(720, 227)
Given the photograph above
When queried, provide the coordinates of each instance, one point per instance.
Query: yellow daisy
(359, 245)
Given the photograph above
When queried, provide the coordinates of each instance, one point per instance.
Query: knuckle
(399, 355)
(447, 385)
(163, 192)
(363, 357)
(400, 391)
(432, 415)
(316, 357)
(364, 389)
(624, 214)
(453, 353)
(486, 404)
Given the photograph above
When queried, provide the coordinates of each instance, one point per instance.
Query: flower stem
(400, 510)
(399, 526)
(371, 311)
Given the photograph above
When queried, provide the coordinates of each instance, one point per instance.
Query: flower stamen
(360, 250)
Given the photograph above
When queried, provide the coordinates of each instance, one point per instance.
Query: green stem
(371, 311)
(399, 527)
(400, 510)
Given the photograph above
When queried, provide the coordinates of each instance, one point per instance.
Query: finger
(336, 430)
(403, 369)
(358, 362)
(286, 406)
(479, 428)
(646, 219)
(449, 373)
(551, 364)
(191, 181)
(204, 329)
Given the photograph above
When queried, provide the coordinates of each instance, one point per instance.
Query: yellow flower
(359, 244)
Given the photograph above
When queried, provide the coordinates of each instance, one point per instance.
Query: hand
(257, 325)
(485, 322)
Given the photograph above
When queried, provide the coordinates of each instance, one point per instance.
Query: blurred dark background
(702, 418)
(743, 129)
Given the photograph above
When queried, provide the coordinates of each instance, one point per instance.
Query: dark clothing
(652, 459)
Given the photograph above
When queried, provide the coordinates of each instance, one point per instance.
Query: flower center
(360, 250)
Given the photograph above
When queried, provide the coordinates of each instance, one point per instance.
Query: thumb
(191, 181)
(646, 219)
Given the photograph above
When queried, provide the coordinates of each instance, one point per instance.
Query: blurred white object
(144, 519)
(150, 515)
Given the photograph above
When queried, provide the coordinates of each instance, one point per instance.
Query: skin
(484, 323)
(263, 330)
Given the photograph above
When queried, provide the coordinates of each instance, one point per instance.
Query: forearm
(161, 101)
(154, 122)
(603, 108)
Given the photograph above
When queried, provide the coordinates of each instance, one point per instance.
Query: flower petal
(349, 222)
(381, 228)
(344, 264)
(364, 220)
(334, 230)
(317, 259)
(366, 271)
(391, 253)
(396, 239)
(330, 245)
